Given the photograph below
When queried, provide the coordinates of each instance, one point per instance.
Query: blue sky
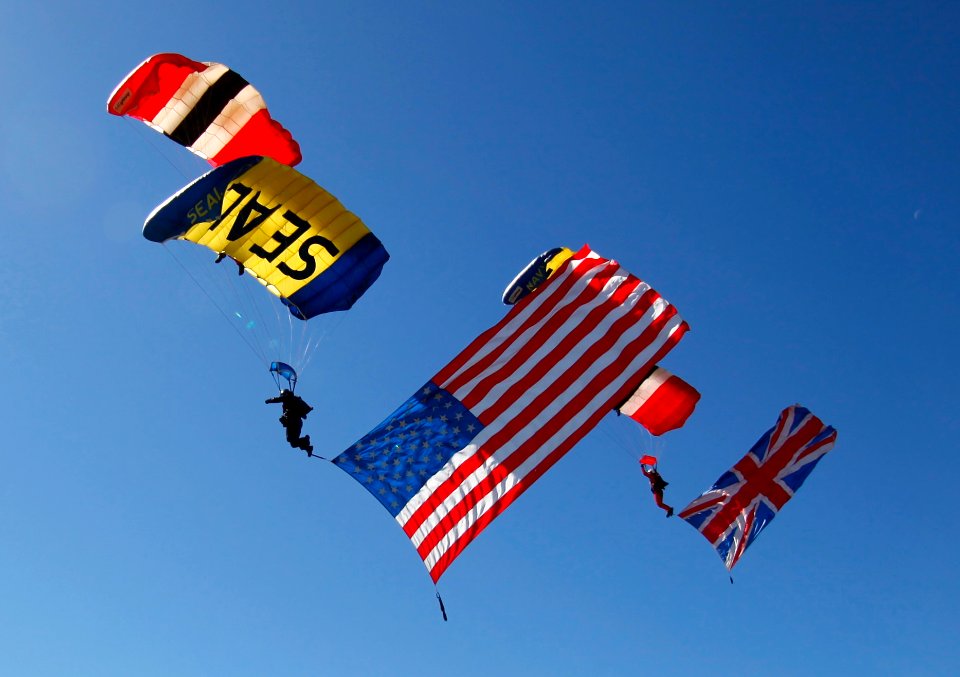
(785, 174)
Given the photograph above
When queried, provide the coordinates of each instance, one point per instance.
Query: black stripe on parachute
(206, 110)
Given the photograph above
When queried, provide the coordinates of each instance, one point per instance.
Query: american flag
(490, 423)
(733, 512)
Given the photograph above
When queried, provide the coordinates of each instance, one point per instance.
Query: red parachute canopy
(206, 107)
(662, 403)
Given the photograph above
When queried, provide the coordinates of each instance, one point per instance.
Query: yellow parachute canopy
(293, 236)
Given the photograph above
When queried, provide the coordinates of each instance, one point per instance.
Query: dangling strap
(442, 610)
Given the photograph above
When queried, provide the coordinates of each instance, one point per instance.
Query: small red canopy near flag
(662, 403)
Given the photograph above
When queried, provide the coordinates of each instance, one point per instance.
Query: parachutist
(657, 485)
(222, 255)
(294, 411)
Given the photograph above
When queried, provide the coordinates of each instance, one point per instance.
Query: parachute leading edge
(290, 234)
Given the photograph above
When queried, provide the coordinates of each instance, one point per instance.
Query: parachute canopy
(282, 370)
(535, 274)
(290, 234)
(663, 402)
(204, 106)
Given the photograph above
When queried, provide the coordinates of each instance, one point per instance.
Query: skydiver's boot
(669, 512)
(306, 446)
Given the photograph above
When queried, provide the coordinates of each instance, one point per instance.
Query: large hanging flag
(733, 512)
(490, 423)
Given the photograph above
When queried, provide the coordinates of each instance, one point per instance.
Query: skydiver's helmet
(286, 392)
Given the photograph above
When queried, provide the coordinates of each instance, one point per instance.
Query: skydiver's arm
(273, 400)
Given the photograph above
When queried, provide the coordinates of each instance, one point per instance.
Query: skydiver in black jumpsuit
(294, 411)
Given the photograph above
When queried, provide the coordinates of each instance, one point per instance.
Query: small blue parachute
(282, 370)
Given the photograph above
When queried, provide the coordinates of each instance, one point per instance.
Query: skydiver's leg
(658, 497)
(293, 433)
(293, 437)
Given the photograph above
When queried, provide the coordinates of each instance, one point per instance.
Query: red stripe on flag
(744, 539)
(523, 342)
(548, 300)
(567, 344)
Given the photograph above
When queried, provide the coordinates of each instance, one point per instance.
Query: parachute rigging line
(215, 304)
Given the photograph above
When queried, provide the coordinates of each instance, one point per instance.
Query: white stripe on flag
(550, 297)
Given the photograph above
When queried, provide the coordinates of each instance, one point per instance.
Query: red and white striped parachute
(663, 402)
(204, 106)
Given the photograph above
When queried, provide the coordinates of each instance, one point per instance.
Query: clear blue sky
(785, 173)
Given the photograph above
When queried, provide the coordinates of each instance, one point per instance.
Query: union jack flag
(733, 512)
(490, 423)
